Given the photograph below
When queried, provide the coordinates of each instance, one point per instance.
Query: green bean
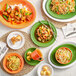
(5, 17)
(21, 11)
(30, 13)
(6, 7)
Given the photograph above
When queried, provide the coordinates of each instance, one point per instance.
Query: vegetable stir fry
(16, 14)
(43, 33)
(62, 6)
(13, 63)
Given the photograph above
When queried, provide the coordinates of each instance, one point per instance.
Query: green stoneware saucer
(32, 62)
(53, 14)
(35, 26)
(54, 62)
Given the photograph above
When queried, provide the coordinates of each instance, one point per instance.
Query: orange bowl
(5, 61)
(57, 56)
(13, 2)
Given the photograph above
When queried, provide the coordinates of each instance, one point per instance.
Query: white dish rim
(61, 67)
(59, 20)
(38, 72)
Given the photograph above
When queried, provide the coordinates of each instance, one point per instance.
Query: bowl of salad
(60, 10)
(43, 33)
(62, 55)
(13, 63)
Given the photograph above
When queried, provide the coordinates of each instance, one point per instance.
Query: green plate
(71, 47)
(32, 62)
(35, 26)
(53, 14)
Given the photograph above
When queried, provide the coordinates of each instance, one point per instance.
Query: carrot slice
(58, 13)
(57, 2)
(72, 0)
(67, 2)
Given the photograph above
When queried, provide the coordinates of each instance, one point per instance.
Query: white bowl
(59, 20)
(18, 44)
(40, 68)
(60, 67)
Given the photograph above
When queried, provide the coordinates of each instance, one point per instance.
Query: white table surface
(65, 72)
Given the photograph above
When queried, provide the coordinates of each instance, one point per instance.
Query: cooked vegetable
(43, 33)
(5, 17)
(30, 13)
(46, 71)
(6, 7)
(29, 58)
(63, 55)
(21, 11)
(62, 6)
(13, 63)
(44, 68)
(29, 53)
(16, 15)
(16, 39)
(43, 72)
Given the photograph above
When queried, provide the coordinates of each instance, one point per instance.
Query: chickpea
(29, 53)
(48, 73)
(45, 68)
(28, 58)
(43, 72)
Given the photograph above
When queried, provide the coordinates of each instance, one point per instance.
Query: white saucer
(60, 67)
(18, 44)
(40, 68)
(59, 20)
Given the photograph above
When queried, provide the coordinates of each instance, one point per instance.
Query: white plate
(18, 44)
(60, 67)
(40, 68)
(59, 20)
